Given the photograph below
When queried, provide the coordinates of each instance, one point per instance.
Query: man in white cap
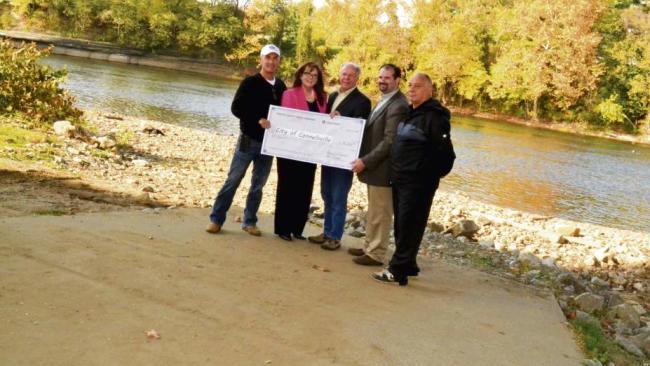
(251, 105)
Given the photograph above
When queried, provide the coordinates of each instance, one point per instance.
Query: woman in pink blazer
(296, 178)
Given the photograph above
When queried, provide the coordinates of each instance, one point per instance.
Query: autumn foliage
(31, 88)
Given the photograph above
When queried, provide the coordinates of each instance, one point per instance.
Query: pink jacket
(295, 98)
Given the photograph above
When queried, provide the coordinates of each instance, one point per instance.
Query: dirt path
(83, 289)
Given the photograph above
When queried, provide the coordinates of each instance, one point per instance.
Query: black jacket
(355, 105)
(252, 101)
(416, 154)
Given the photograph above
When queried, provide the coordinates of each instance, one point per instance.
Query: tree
(370, 38)
(546, 50)
(450, 43)
(625, 53)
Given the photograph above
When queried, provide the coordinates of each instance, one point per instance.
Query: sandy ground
(83, 289)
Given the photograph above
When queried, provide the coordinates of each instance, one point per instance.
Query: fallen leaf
(152, 334)
(322, 269)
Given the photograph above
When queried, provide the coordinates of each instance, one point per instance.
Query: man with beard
(373, 168)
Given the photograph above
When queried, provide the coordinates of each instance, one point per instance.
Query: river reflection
(171, 96)
(551, 173)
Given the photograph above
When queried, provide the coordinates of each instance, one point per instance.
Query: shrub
(611, 112)
(31, 88)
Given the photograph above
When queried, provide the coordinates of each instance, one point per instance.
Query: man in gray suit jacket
(373, 167)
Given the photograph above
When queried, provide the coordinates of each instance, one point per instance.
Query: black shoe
(285, 237)
(386, 276)
(357, 252)
(413, 272)
(366, 260)
(299, 237)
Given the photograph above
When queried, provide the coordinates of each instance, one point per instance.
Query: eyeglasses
(313, 76)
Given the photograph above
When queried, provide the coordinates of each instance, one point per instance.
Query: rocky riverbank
(599, 274)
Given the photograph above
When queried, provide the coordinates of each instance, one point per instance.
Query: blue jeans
(335, 185)
(247, 151)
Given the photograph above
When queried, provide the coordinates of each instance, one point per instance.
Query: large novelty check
(313, 137)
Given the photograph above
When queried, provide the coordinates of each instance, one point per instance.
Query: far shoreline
(579, 129)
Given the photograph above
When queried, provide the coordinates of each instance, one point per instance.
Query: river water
(551, 173)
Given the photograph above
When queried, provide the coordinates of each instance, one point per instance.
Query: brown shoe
(318, 239)
(213, 228)
(357, 252)
(331, 244)
(253, 230)
(365, 260)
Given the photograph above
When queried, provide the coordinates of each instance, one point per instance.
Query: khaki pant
(379, 220)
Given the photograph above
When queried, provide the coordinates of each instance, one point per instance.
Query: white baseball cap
(270, 48)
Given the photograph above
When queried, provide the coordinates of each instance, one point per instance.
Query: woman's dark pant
(293, 195)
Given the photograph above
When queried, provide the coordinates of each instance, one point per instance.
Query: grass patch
(598, 346)
(23, 141)
(101, 154)
(484, 261)
(13, 136)
(123, 138)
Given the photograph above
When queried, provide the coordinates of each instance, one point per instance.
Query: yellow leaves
(611, 111)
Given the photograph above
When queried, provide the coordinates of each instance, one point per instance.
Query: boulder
(639, 308)
(153, 130)
(628, 345)
(143, 198)
(566, 278)
(549, 262)
(483, 221)
(554, 237)
(106, 142)
(530, 260)
(435, 227)
(591, 261)
(567, 230)
(613, 299)
(140, 163)
(486, 244)
(459, 254)
(618, 279)
(466, 228)
(601, 255)
(592, 363)
(642, 340)
(627, 314)
(63, 128)
(598, 282)
(500, 246)
(586, 318)
(589, 302)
